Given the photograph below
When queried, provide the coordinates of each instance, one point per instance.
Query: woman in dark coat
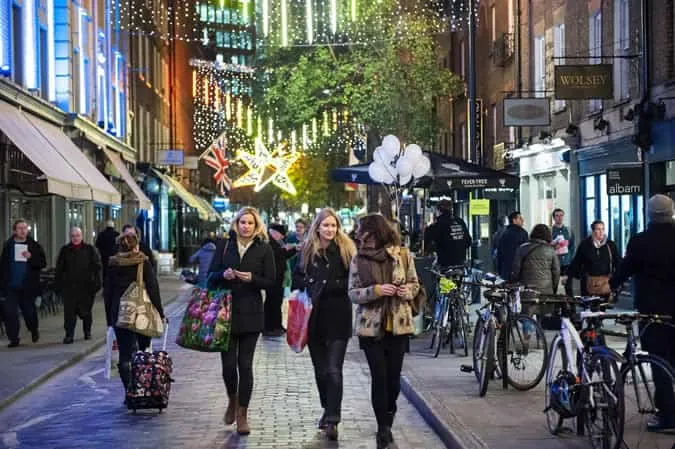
(78, 279)
(596, 256)
(244, 264)
(122, 271)
(323, 270)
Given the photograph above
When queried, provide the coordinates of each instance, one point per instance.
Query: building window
(559, 53)
(494, 124)
(493, 18)
(462, 59)
(540, 66)
(512, 135)
(595, 50)
(17, 44)
(621, 48)
(511, 17)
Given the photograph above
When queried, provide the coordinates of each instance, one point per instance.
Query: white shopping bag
(111, 353)
(418, 322)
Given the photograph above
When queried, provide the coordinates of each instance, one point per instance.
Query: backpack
(420, 299)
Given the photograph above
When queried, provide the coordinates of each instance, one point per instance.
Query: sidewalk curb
(91, 348)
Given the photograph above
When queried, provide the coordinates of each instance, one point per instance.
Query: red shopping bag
(297, 328)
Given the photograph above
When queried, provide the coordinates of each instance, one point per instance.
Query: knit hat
(281, 229)
(660, 209)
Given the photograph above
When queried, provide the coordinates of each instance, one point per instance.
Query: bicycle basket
(447, 285)
(565, 395)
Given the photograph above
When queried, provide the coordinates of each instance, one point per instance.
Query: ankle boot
(231, 412)
(242, 421)
(382, 437)
(332, 431)
(390, 435)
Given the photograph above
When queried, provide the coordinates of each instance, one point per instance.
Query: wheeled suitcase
(150, 383)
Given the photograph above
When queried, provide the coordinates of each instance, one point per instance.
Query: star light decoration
(265, 167)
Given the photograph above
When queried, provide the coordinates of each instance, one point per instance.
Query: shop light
(5, 70)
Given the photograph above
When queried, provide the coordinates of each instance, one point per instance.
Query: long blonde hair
(260, 229)
(313, 241)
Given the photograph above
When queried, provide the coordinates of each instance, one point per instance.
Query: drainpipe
(646, 93)
(519, 63)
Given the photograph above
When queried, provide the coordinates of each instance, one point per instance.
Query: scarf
(375, 266)
(599, 243)
(128, 259)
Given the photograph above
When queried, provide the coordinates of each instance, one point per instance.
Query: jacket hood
(209, 247)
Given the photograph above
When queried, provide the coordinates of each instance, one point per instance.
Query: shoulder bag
(599, 285)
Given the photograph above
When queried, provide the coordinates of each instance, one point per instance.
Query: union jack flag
(216, 158)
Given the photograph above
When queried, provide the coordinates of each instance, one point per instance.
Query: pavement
(503, 419)
(30, 364)
(78, 408)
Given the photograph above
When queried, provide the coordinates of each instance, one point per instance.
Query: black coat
(118, 279)
(650, 260)
(247, 304)
(450, 237)
(281, 255)
(510, 241)
(592, 261)
(326, 280)
(106, 243)
(78, 273)
(38, 261)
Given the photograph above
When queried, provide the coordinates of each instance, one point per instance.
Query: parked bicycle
(449, 323)
(640, 370)
(583, 381)
(518, 355)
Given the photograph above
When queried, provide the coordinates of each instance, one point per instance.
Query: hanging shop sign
(584, 82)
(527, 112)
(479, 183)
(625, 181)
(478, 117)
(170, 157)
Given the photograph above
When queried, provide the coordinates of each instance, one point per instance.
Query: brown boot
(242, 421)
(231, 412)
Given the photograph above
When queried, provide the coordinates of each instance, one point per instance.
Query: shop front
(544, 181)
(607, 199)
(662, 159)
(47, 180)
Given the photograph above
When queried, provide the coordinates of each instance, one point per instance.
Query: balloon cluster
(392, 166)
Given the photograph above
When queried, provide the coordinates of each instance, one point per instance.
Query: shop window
(545, 199)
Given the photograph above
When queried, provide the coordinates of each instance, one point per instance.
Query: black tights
(129, 342)
(237, 365)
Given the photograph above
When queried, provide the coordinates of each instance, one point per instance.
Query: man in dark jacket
(78, 279)
(650, 261)
(20, 264)
(106, 243)
(449, 236)
(513, 237)
(275, 296)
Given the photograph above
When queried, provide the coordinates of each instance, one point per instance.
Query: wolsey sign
(624, 181)
(584, 82)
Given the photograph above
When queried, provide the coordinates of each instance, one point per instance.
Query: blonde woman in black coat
(244, 264)
(323, 271)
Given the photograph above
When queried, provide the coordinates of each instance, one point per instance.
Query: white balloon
(391, 145)
(379, 173)
(404, 180)
(404, 166)
(422, 167)
(382, 157)
(413, 152)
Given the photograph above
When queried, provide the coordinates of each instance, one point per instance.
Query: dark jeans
(328, 357)
(237, 365)
(658, 339)
(273, 302)
(129, 342)
(569, 291)
(72, 309)
(385, 358)
(14, 301)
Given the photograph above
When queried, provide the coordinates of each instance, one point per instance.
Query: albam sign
(618, 189)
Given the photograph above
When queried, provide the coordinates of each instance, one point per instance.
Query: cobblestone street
(80, 409)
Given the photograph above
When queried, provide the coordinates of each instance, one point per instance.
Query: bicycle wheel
(459, 330)
(487, 356)
(604, 417)
(640, 390)
(526, 353)
(558, 362)
(476, 347)
(439, 337)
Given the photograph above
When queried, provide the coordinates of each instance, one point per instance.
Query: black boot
(86, 327)
(68, 340)
(382, 437)
(390, 419)
(332, 431)
(322, 422)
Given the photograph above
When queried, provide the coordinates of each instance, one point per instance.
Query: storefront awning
(447, 174)
(188, 198)
(143, 201)
(101, 189)
(61, 178)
